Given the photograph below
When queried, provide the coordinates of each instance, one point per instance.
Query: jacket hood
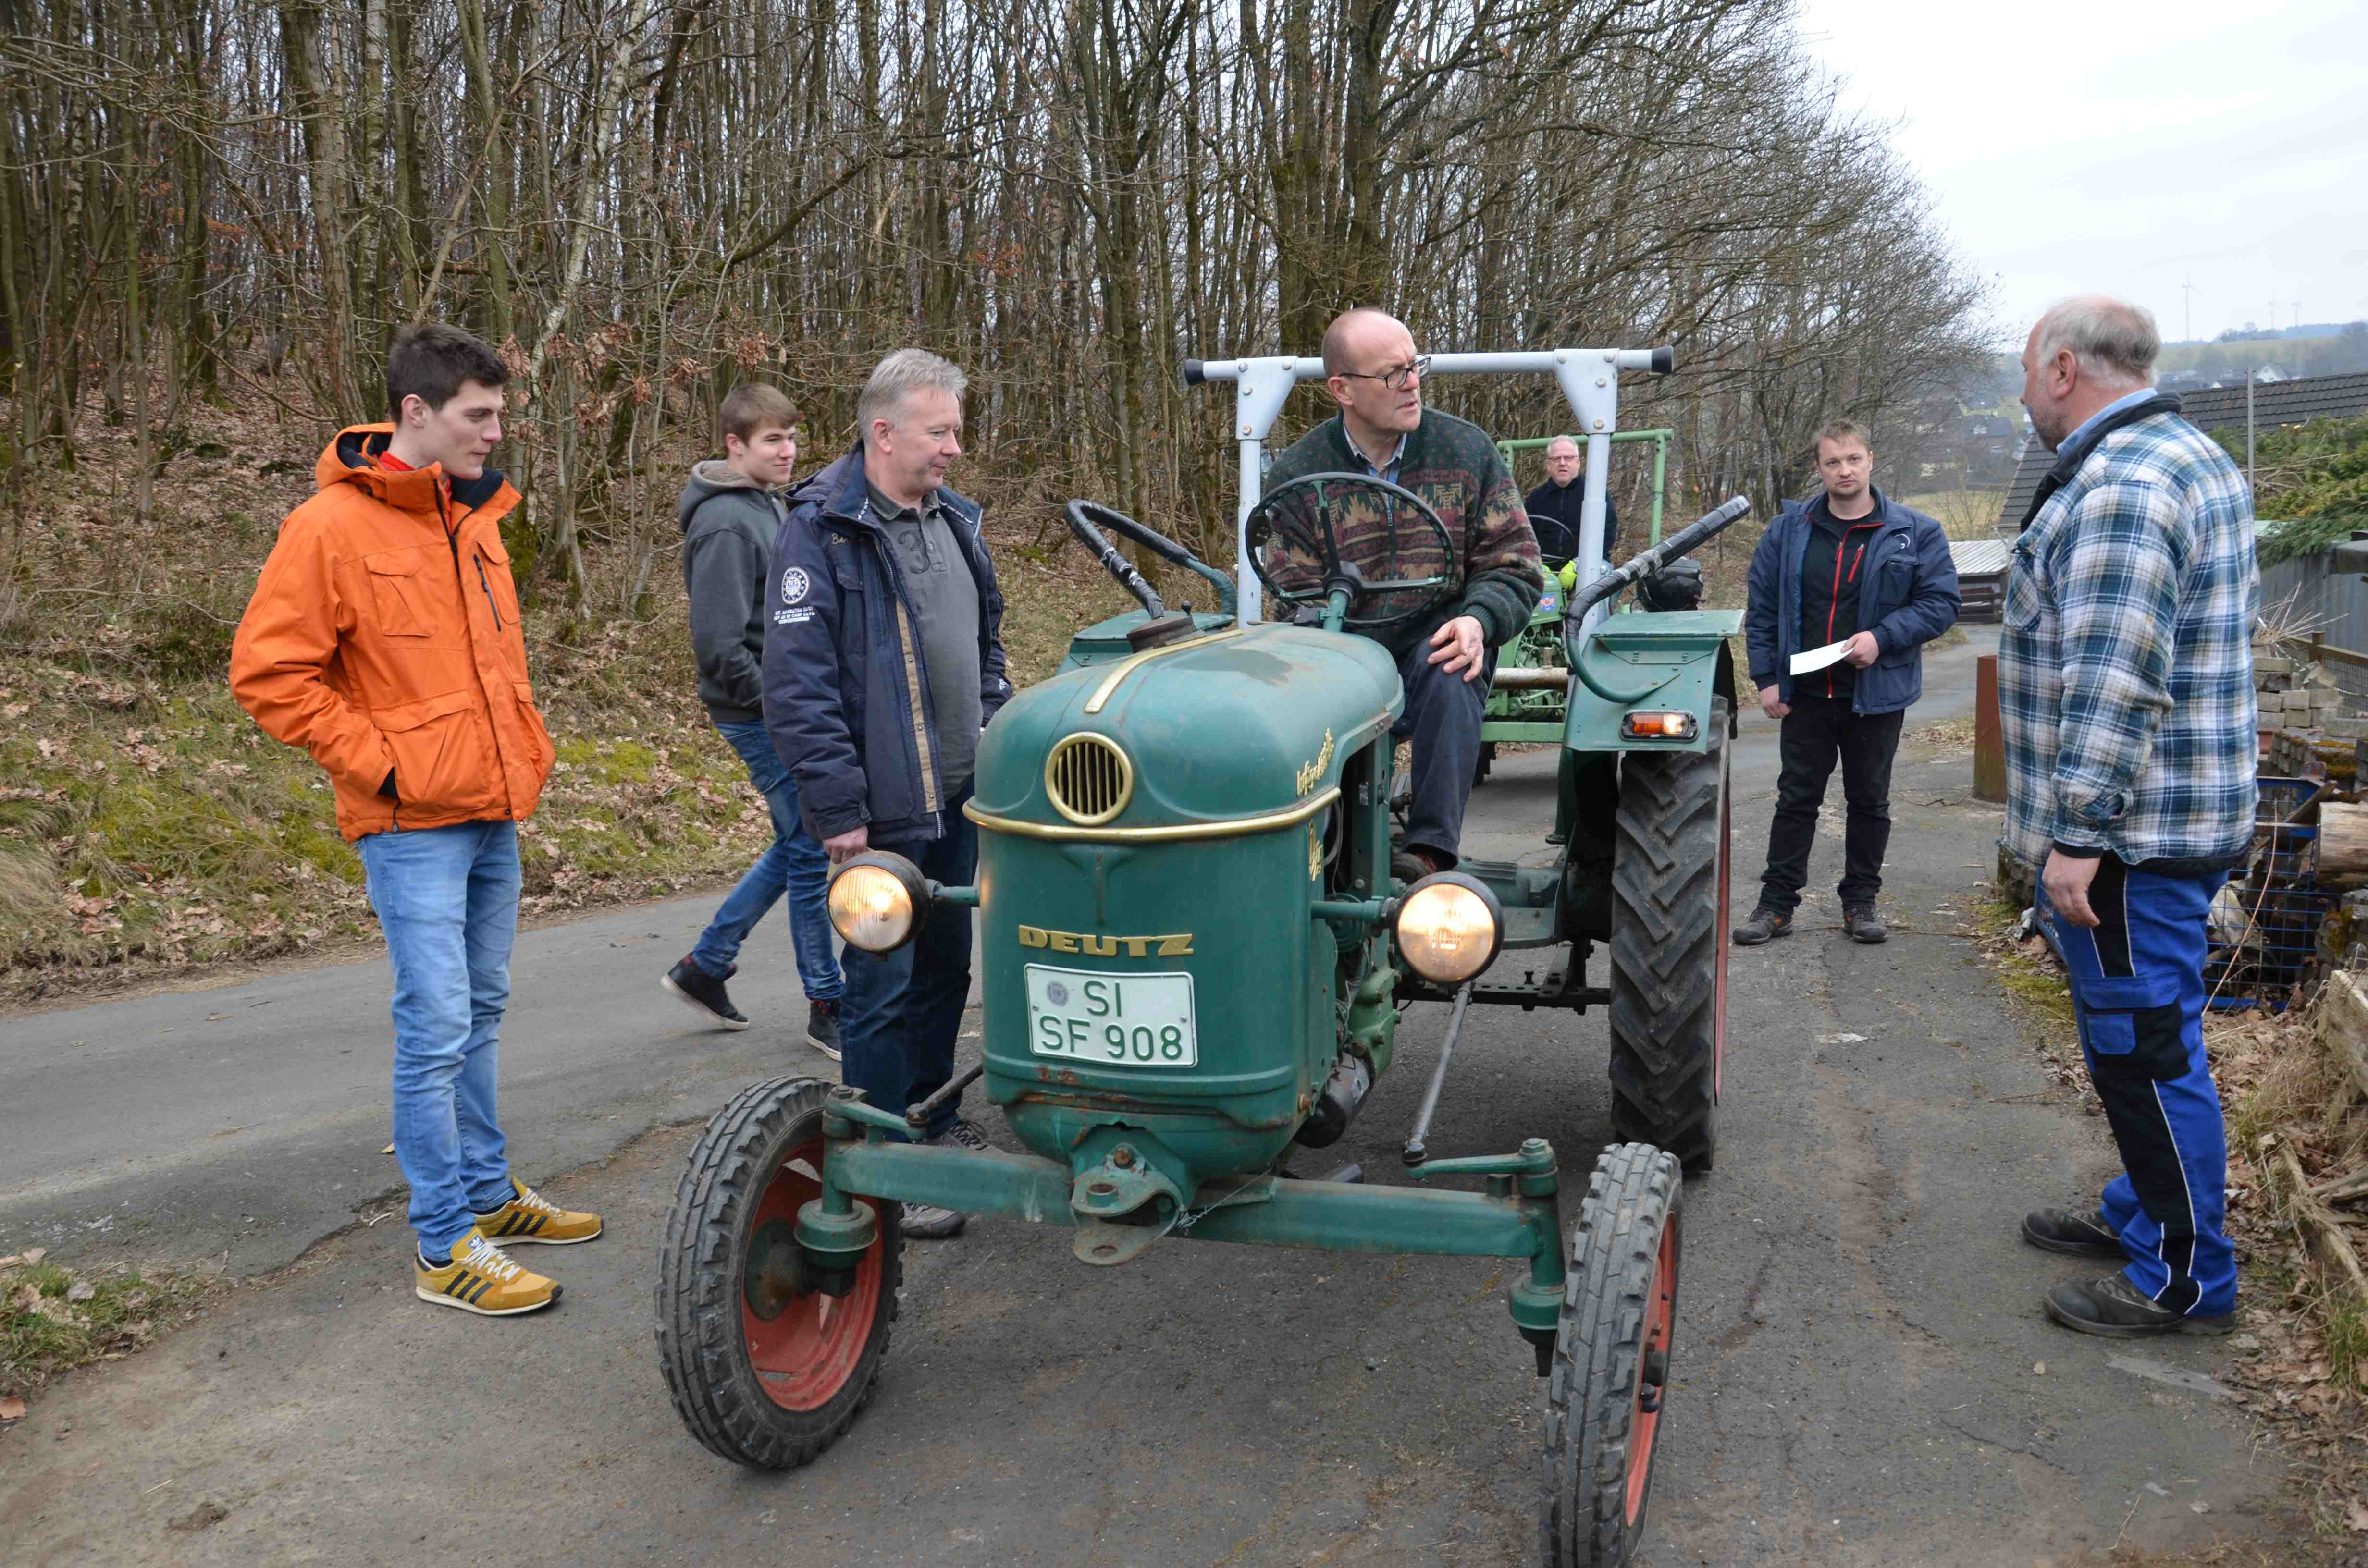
(346, 461)
(710, 477)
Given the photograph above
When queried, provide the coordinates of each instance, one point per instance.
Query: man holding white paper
(1845, 592)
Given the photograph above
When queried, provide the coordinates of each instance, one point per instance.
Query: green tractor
(1194, 961)
(1529, 707)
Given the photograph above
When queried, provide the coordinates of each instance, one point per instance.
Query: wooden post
(1989, 733)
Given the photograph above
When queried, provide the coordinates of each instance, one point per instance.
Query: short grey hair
(2114, 341)
(897, 378)
(1575, 445)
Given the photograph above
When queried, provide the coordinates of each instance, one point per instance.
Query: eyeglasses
(1397, 377)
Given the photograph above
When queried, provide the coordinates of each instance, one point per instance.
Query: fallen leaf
(2039, 1369)
(388, 1149)
(2355, 1514)
(82, 1292)
(34, 1255)
(12, 1409)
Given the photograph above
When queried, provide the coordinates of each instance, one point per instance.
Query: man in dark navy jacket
(1854, 568)
(883, 661)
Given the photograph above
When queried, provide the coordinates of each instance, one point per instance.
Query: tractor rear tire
(764, 1373)
(1668, 947)
(1610, 1368)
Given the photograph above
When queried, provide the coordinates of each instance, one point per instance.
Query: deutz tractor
(1537, 713)
(1195, 958)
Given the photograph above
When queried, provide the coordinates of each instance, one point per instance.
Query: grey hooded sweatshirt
(728, 523)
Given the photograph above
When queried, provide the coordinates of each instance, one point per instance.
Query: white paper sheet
(1818, 658)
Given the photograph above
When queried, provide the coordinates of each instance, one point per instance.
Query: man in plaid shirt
(2126, 680)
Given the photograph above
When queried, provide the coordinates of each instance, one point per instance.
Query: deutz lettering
(1176, 946)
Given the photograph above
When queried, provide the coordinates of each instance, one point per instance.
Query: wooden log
(2338, 1189)
(2342, 839)
(2325, 1234)
(2343, 1026)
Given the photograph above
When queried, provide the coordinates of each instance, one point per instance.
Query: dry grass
(53, 1319)
(1963, 514)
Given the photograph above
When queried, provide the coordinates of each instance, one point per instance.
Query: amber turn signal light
(1645, 726)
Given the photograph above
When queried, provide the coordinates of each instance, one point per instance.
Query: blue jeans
(904, 1009)
(794, 863)
(447, 899)
(2137, 992)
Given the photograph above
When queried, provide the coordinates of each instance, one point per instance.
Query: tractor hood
(1243, 722)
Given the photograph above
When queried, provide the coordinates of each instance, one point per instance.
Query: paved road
(1857, 1360)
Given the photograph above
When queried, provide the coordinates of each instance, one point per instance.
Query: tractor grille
(1090, 779)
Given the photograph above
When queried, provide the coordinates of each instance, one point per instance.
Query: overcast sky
(2130, 148)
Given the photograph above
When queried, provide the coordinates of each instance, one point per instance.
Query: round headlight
(877, 900)
(1448, 927)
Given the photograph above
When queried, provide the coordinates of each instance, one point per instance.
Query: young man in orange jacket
(383, 638)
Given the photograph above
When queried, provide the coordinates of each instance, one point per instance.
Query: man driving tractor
(1382, 430)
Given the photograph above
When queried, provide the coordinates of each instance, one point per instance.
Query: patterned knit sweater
(1453, 465)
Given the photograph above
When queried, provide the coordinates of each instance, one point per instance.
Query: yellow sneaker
(531, 1217)
(482, 1280)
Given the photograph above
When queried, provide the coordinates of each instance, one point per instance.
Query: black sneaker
(2062, 1230)
(2111, 1307)
(703, 992)
(963, 1134)
(822, 1026)
(1764, 925)
(1863, 923)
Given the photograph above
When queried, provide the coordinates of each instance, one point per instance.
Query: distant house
(2293, 401)
(1981, 576)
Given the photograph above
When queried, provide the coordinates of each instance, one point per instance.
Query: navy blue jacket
(846, 679)
(1906, 595)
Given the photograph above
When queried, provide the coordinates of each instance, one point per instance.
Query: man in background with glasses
(1382, 430)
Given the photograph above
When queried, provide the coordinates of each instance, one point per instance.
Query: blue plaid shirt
(2126, 669)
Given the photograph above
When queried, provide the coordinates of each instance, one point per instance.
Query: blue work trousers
(904, 1010)
(448, 900)
(2138, 990)
(793, 864)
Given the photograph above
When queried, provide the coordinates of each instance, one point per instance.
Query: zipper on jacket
(486, 582)
(916, 681)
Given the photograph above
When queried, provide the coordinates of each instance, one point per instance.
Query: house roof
(1980, 557)
(2215, 408)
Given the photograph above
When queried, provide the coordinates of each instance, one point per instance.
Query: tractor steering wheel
(1295, 549)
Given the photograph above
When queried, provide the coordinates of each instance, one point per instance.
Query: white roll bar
(1589, 378)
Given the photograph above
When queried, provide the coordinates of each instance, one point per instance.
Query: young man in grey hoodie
(730, 510)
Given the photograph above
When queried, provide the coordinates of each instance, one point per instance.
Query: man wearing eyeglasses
(1382, 430)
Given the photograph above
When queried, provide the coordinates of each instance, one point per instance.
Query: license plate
(1111, 1020)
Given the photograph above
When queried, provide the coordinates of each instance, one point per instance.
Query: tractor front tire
(1610, 1368)
(1668, 947)
(765, 1370)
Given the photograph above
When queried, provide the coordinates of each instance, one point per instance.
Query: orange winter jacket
(383, 638)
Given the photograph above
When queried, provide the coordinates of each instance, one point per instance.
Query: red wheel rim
(806, 1353)
(1721, 935)
(1645, 1422)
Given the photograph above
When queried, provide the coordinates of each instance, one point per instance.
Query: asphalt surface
(1857, 1370)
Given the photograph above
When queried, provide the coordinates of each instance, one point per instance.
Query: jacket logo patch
(794, 584)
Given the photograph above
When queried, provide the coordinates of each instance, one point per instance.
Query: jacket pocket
(2144, 1043)
(439, 762)
(537, 736)
(498, 586)
(399, 601)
